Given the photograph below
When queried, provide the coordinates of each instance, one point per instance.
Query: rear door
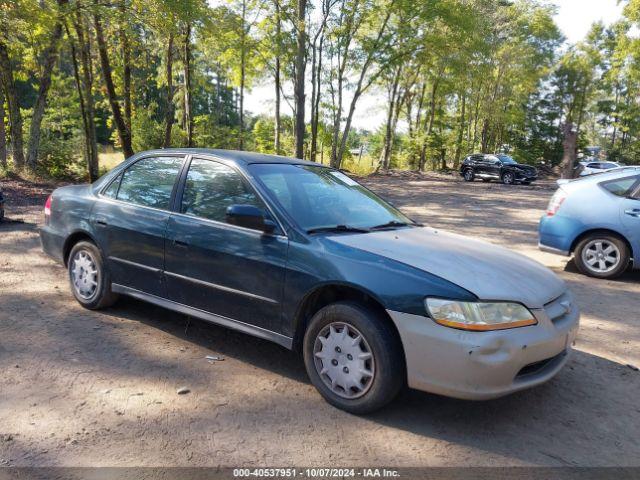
(223, 269)
(630, 215)
(130, 220)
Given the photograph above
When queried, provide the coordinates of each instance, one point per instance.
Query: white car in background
(590, 168)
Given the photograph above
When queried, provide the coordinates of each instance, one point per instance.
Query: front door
(223, 269)
(130, 220)
(630, 215)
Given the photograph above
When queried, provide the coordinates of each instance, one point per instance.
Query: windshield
(507, 159)
(319, 197)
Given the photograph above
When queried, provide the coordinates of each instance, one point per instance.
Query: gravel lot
(80, 388)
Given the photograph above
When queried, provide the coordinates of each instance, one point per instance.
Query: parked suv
(304, 256)
(497, 167)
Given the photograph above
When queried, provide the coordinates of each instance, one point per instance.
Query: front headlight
(478, 316)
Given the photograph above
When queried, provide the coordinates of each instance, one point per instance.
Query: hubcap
(344, 360)
(84, 274)
(601, 256)
(468, 174)
(508, 178)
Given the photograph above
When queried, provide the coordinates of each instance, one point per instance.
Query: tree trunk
(50, 56)
(458, 154)
(126, 74)
(385, 156)
(170, 111)
(432, 116)
(85, 92)
(243, 73)
(123, 132)
(276, 133)
(569, 144)
(3, 133)
(188, 119)
(299, 78)
(13, 103)
(316, 104)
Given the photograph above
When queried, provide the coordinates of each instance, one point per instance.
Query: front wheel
(469, 175)
(354, 357)
(602, 256)
(508, 178)
(89, 278)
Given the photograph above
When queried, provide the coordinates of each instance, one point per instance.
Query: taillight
(47, 207)
(556, 202)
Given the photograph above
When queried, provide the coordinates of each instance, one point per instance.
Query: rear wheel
(602, 255)
(469, 175)
(353, 357)
(89, 278)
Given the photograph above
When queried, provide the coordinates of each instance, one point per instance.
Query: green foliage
(461, 76)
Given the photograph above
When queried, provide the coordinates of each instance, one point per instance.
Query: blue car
(304, 256)
(597, 219)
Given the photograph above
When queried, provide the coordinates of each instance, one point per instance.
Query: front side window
(149, 182)
(211, 188)
(112, 190)
(620, 187)
(319, 197)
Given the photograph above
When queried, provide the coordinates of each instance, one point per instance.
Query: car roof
(239, 157)
(610, 174)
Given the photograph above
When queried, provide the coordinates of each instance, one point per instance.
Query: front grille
(540, 366)
(560, 308)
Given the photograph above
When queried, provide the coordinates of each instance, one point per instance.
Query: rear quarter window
(621, 187)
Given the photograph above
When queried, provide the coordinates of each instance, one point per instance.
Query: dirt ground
(80, 388)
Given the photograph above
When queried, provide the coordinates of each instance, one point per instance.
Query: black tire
(385, 346)
(102, 297)
(469, 175)
(508, 178)
(622, 255)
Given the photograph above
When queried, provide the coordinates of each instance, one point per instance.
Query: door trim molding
(135, 264)
(259, 332)
(220, 287)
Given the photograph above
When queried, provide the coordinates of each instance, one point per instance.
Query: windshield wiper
(393, 223)
(338, 228)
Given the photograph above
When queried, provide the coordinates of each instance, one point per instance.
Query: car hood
(488, 271)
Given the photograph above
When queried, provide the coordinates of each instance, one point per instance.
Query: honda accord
(303, 255)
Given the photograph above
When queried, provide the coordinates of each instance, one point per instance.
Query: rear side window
(620, 187)
(211, 188)
(149, 182)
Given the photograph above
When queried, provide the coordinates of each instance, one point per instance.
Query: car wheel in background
(354, 358)
(602, 256)
(90, 280)
(508, 178)
(469, 175)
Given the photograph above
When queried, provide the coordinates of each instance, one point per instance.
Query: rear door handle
(635, 212)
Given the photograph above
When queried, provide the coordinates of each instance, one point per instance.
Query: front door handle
(180, 243)
(100, 222)
(634, 212)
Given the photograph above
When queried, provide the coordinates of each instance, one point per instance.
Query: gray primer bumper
(484, 365)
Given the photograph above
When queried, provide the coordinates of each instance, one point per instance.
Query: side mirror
(249, 216)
